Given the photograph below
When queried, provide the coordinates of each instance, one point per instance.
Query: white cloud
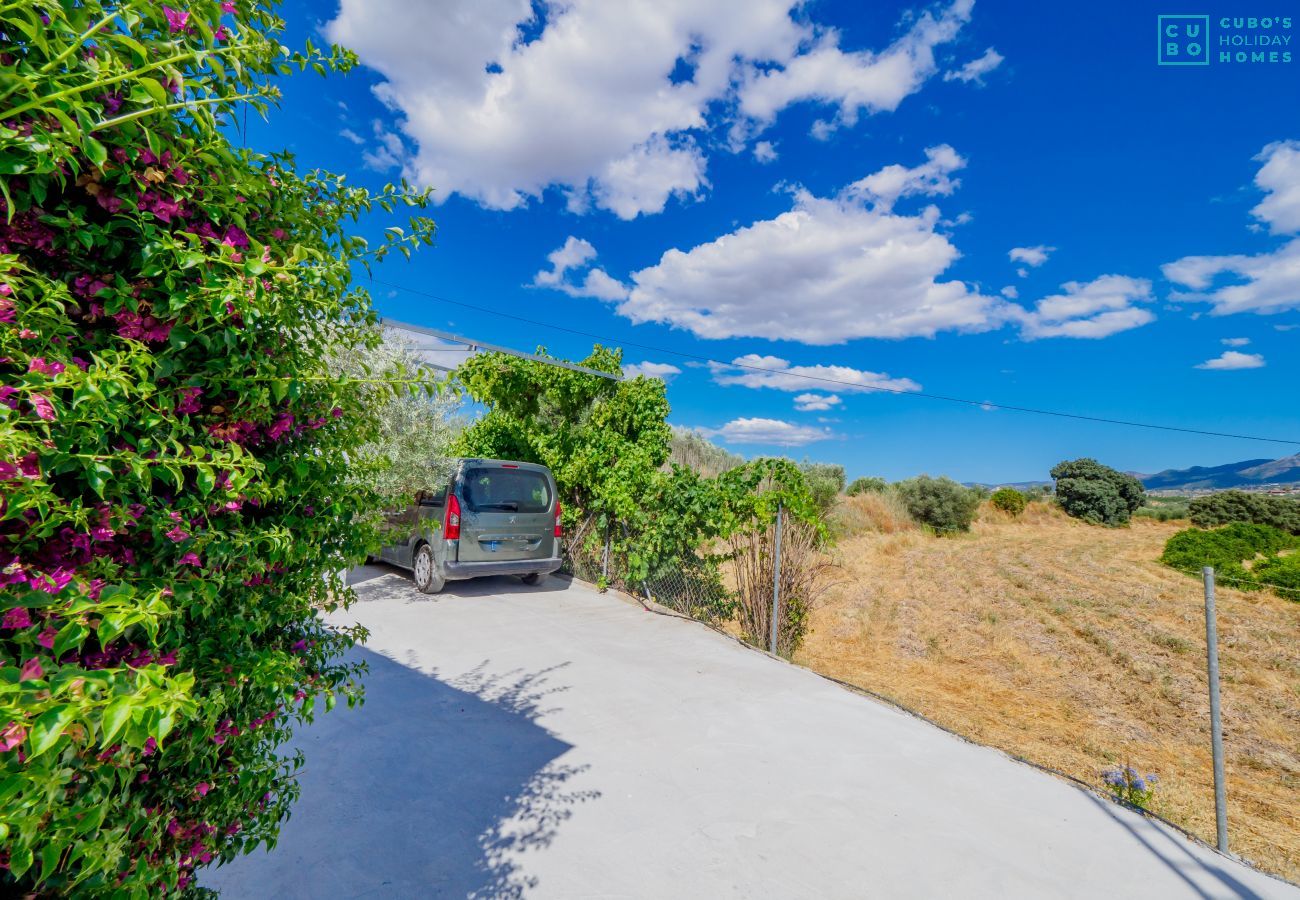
(828, 271)
(816, 402)
(755, 371)
(350, 135)
(1010, 292)
(766, 431)
(1030, 256)
(822, 130)
(504, 99)
(662, 371)
(388, 153)
(858, 81)
(1232, 359)
(1279, 178)
(575, 254)
(642, 181)
(1094, 309)
(1266, 282)
(930, 178)
(1235, 342)
(976, 69)
(765, 152)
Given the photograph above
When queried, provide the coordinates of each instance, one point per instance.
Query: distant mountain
(1247, 473)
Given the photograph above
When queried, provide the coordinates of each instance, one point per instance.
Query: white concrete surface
(554, 742)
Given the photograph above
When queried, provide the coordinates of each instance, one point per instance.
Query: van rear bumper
(456, 571)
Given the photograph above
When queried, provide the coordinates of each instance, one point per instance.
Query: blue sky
(816, 185)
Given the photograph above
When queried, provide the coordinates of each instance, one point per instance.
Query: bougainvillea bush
(177, 453)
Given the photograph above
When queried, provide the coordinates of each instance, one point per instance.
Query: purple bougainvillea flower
(202, 788)
(38, 364)
(219, 34)
(177, 534)
(110, 202)
(18, 617)
(32, 670)
(176, 19)
(41, 404)
(167, 659)
(11, 736)
(283, 425)
(189, 402)
(190, 559)
(46, 638)
(150, 748)
(111, 103)
(51, 582)
(8, 396)
(228, 6)
(235, 237)
(29, 466)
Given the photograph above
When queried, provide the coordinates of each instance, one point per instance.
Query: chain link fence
(692, 585)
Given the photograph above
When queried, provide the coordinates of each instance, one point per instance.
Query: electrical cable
(983, 404)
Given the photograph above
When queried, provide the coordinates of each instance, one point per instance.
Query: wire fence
(692, 585)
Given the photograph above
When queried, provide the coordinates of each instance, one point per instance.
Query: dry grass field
(1069, 645)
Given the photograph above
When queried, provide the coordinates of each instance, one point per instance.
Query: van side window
(431, 498)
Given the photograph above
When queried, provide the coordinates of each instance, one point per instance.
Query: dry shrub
(802, 580)
(880, 513)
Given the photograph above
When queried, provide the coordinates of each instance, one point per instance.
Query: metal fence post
(604, 561)
(776, 579)
(1216, 725)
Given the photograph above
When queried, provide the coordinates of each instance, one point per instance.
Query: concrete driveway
(555, 742)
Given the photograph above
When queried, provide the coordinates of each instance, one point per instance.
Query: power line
(983, 404)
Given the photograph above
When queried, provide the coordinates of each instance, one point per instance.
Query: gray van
(494, 517)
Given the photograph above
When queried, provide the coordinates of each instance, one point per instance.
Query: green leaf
(95, 151)
(20, 860)
(49, 727)
(70, 637)
(114, 719)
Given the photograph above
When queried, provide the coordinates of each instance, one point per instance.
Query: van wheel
(532, 578)
(427, 578)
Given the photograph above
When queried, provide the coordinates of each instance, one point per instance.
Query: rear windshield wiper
(510, 505)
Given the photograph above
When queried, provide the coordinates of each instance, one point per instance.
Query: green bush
(1009, 500)
(825, 480)
(867, 485)
(1224, 548)
(940, 503)
(177, 445)
(1164, 509)
(1095, 493)
(1240, 506)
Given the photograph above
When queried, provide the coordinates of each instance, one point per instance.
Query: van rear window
(507, 490)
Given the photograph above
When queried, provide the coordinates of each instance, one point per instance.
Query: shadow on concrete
(428, 789)
(1181, 862)
(471, 587)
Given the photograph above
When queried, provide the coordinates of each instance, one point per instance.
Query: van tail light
(451, 525)
(559, 529)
